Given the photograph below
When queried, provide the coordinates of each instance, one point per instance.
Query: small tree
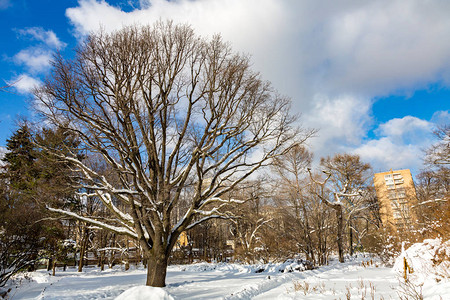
(166, 110)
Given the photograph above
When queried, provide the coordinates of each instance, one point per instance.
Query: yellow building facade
(396, 195)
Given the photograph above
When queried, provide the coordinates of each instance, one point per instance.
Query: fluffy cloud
(370, 48)
(331, 57)
(341, 121)
(387, 153)
(401, 142)
(383, 46)
(24, 83)
(36, 59)
(257, 27)
(401, 127)
(46, 36)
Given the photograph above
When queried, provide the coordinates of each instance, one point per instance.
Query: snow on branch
(119, 230)
(430, 201)
(221, 216)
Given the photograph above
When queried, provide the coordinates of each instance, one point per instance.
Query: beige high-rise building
(396, 195)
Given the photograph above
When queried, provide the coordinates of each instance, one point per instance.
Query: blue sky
(373, 76)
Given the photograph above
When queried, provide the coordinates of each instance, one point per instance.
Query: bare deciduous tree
(433, 187)
(348, 175)
(439, 153)
(291, 171)
(165, 109)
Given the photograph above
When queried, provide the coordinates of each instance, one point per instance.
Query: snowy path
(224, 282)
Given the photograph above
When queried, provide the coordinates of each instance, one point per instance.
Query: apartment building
(396, 195)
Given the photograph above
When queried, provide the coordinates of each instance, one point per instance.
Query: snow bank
(145, 293)
(220, 267)
(430, 267)
(430, 258)
(290, 265)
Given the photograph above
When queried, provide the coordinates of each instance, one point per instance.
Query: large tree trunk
(156, 271)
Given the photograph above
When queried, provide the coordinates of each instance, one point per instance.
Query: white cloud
(24, 83)
(441, 118)
(342, 122)
(36, 59)
(401, 142)
(400, 127)
(330, 57)
(387, 153)
(380, 47)
(46, 36)
(364, 48)
(257, 27)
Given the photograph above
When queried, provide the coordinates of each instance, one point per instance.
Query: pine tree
(20, 233)
(20, 170)
(29, 180)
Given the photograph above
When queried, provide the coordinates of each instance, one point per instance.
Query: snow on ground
(429, 263)
(143, 292)
(222, 281)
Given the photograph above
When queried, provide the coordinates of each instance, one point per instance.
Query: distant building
(396, 195)
(182, 240)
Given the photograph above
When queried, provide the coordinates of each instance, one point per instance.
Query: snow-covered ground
(360, 278)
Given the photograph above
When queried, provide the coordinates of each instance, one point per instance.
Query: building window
(399, 181)
(397, 214)
(390, 186)
(394, 204)
(405, 210)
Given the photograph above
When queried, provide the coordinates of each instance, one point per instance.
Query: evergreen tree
(19, 159)
(29, 180)
(19, 231)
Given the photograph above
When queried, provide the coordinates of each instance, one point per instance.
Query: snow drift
(429, 267)
(145, 293)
